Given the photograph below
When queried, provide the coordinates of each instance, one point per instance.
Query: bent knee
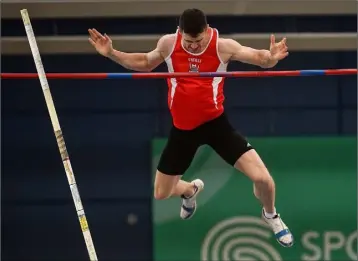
(160, 194)
(263, 179)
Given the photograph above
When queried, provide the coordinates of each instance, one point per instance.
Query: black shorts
(183, 144)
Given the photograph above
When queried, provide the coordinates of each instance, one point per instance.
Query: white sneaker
(281, 231)
(188, 206)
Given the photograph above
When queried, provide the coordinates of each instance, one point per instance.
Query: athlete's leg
(236, 151)
(175, 160)
(252, 166)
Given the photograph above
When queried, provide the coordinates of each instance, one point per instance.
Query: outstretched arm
(262, 58)
(142, 62)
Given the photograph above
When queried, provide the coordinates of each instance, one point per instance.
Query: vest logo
(194, 64)
(193, 67)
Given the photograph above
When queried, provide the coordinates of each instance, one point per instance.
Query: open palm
(278, 50)
(102, 43)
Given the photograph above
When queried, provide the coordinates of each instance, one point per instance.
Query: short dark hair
(192, 22)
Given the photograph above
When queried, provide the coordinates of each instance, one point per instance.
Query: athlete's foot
(281, 231)
(188, 206)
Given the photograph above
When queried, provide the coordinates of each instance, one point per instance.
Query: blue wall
(108, 126)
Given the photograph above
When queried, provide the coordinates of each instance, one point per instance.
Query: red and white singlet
(194, 101)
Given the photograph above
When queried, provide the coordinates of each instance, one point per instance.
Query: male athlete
(196, 106)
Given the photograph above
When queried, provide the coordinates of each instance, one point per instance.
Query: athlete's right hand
(102, 43)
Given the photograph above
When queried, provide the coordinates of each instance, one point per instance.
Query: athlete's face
(195, 44)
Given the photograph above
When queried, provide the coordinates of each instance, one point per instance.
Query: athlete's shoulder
(227, 48)
(227, 44)
(167, 40)
(165, 43)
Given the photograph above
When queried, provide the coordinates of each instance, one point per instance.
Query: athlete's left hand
(278, 50)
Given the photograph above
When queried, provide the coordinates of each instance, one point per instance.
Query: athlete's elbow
(140, 68)
(149, 68)
(145, 67)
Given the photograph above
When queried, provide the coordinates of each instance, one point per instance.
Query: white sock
(270, 215)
